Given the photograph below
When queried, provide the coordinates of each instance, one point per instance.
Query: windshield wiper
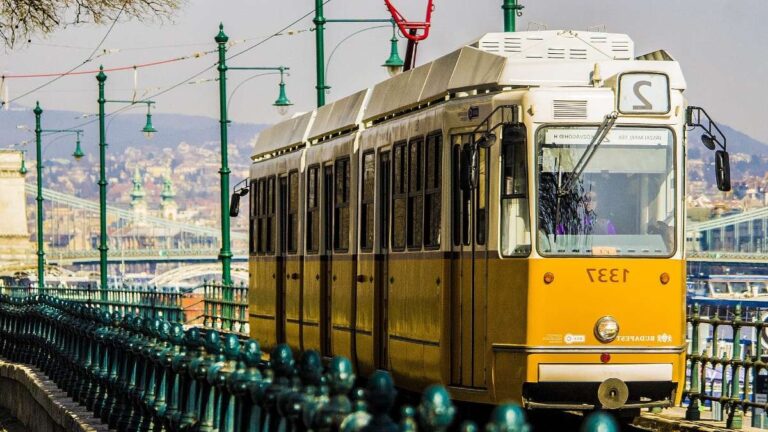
(597, 139)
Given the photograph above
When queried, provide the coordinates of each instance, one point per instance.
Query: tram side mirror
(234, 202)
(708, 141)
(722, 170)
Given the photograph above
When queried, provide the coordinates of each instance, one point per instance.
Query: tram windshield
(622, 203)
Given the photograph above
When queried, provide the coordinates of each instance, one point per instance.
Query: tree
(19, 19)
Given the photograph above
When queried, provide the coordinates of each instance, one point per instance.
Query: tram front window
(621, 203)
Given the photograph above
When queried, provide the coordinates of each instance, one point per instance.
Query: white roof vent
(558, 45)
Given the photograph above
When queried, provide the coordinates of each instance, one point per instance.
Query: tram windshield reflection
(623, 203)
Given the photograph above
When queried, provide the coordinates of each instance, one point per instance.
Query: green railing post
(692, 412)
(735, 415)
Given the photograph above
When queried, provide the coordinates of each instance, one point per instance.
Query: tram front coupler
(713, 139)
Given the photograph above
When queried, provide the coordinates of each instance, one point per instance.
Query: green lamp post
(148, 131)
(282, 104)
(511, 10)
(39, 150)
(320, 21)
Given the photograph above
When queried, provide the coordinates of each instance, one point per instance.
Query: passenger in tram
(589, 220)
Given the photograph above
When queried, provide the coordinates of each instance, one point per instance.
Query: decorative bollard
(239, 383)
(172, 375)
(187, 365)
(207, 396)
(218, 375)
(341, 379)
(599, 421)
(281, 362)
(509, 418)
(436, 411)
(381, 398)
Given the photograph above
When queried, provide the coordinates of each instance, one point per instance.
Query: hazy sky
(720, 44)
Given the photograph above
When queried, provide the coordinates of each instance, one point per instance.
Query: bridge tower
(168, 203)
(138, 204)
(15, 245)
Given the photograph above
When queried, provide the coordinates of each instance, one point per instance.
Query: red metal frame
(420, 28)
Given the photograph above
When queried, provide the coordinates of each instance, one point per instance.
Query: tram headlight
(606, 329)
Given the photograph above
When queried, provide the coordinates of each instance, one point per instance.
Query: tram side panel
(262, 298)
(291, 250)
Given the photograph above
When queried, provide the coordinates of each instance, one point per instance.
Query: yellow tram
(505, 220)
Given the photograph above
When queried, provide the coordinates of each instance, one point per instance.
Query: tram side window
(432, 191)
(254, 217)
(341, 216)
(293, 211)
(515, 222)
(366, 201)
(399, 197)
(313, 219)
(269, 245)
(260, 230)
(414, 227)
(481, 221)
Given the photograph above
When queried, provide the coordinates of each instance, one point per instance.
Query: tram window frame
(261, 234)
(456, 193)
(312, 225)
(433, 160)
(341, 193)
(253, 217)
(514, 166)
(292, 213)
(269, 248)
(399, 196)
(415, 203)
(367, 193)
(483, 196)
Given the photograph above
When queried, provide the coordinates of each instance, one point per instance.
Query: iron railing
(727, 365)
(144, 301)
(149, 374)
(226, 307)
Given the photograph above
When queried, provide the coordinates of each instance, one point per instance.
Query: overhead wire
(88, 59)
(191, 78)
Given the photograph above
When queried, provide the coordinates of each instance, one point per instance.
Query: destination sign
(617, 136)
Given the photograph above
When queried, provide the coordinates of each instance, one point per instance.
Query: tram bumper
(601, 386)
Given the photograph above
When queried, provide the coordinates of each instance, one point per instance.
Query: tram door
(281, 256)
(382, 282)
(469, 263)
(326, 268)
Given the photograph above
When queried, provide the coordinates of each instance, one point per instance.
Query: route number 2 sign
(643, 93)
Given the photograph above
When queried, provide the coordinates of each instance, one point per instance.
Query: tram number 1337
(607, 275)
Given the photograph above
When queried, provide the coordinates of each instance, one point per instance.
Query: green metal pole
(320, 51)
(225, 255)
(103, 248)
(40, 247)
(510, 10)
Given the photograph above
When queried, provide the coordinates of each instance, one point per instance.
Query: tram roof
(553, 58)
